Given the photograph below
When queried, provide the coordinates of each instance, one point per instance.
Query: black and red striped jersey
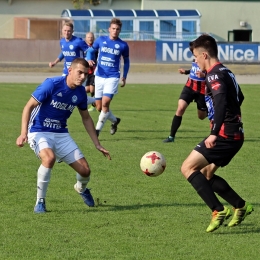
(194, 82)
(227, 97)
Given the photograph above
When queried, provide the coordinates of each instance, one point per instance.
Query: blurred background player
(107, 74)
(71, 46)
(44, 126)
(194, 90)
(90, 83)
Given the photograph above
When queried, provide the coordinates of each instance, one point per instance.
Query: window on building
(81, 27)
(102, 26)
(167, 29)
(189, 27)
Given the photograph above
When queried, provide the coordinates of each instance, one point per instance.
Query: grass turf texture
(138, 217)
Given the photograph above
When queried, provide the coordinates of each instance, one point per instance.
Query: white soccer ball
(153, 164)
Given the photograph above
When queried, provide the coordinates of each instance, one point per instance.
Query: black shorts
(189, 95)
(222, 153)
(90, 80)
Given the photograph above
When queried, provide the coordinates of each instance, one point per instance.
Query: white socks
(111, 117)
(81, 182)
(102, 120)
(43, 179)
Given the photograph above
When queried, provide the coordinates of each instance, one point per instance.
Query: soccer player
(107, 74)
(44, 126)
(224, 141)
(90, 83)
(194, 89)
(71, 46)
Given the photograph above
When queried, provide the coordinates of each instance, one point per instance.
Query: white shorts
(105, 86)
(63, 146)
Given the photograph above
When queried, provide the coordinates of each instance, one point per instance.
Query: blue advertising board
(174, 52)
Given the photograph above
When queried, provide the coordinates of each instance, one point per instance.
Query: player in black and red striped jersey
(194, 90)
(224, 141)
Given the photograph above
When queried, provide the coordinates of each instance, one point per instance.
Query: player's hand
(91, 63)
(200, 74)
(104, 151)
(182, 71)
(210, 141)
(21, 140)
(51, 64)
(123, 82)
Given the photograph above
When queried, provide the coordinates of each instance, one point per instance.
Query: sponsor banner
(168, 52)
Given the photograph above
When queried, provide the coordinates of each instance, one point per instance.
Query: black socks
(222, 188)
(205, 191)
(176, 122)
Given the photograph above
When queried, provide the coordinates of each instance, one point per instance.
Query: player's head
(115, 28)
(89, 38)
(67, 30)
(207, 43)
(78, 72)
(204, 49)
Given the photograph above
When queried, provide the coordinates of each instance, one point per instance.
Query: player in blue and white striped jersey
(107, 73)
(44, 126)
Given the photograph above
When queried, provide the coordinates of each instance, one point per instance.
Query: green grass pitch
(138, 217)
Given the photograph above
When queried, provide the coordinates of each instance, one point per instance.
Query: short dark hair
(208, 43)
(79, 61)
(116, 21)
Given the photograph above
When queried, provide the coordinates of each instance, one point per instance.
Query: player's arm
(31, 104)
(125, 71)
(90, 56)
(90, 128)
(60, 58)
(183, 71)
(240, 96)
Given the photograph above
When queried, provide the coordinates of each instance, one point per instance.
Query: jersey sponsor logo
(108, 64)
(106, 58)
(212, 77)
(110, 51)
(62, 106)
(52, 123)
(215, 85)
(69, 53)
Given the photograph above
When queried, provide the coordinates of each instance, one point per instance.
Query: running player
(44, 126)
(194, 89)
(224, 141)
(71, 46)
(107, 74)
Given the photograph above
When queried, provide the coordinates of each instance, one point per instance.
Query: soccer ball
(153, 164)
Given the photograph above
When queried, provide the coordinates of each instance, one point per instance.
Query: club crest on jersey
(117, 46)
(74, 99)
(71, 47)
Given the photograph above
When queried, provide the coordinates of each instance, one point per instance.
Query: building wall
(23, 50)
(218, 17)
